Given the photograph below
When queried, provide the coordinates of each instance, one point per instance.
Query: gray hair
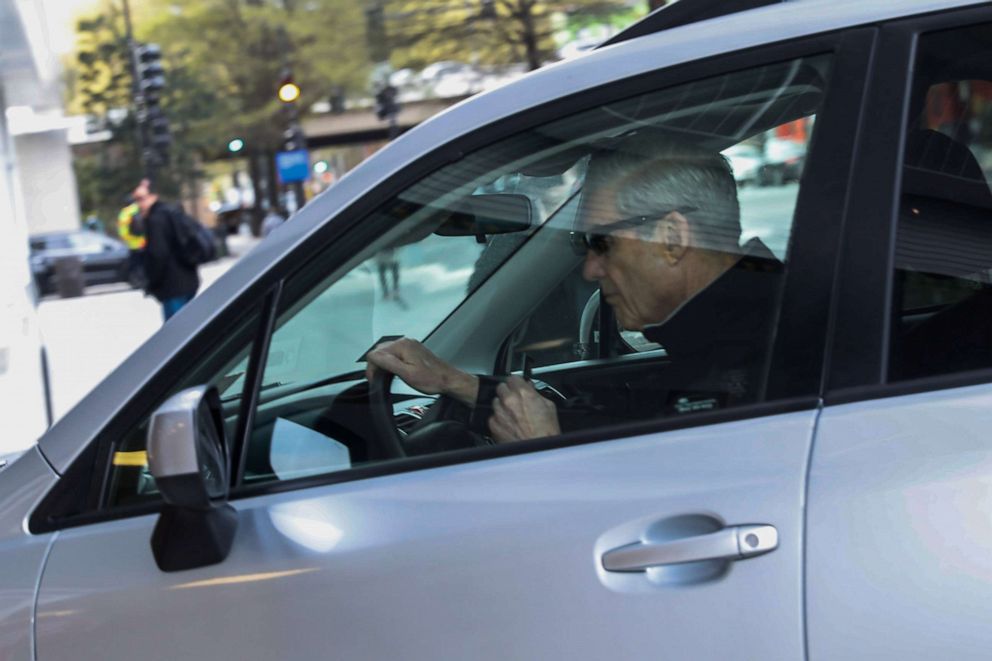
(671, 176)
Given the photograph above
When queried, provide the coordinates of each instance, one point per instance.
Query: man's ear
(673, 236)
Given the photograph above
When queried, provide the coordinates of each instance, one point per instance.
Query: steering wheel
(429, 437)
(387, 441)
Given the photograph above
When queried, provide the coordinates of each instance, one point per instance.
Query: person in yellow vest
(132, 234)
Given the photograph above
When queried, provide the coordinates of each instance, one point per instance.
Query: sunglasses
(596, 239)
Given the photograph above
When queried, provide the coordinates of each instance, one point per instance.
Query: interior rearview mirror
(189, 458)
(479, 215)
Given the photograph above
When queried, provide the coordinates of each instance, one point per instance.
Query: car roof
(46, 235)
(628, 59)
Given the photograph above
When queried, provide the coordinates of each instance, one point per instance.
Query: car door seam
(37, 595)
(804, 522)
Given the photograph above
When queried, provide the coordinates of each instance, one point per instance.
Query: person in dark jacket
(171, 279)
(660, 231)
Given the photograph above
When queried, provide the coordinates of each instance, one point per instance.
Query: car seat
(943, 248)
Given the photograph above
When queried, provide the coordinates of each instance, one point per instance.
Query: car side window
(628, 199)
(942, 297)
(767, 168)
(224, 366)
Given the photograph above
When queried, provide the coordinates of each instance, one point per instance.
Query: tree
(239, 50)
(99, 83)
(481, 31)
(223, 59)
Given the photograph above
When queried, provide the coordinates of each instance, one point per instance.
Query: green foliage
(483, 32)
(101, 79)
(238, 49)
(223, 60)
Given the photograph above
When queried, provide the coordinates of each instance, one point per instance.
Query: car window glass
(943, 261)
(223, 366)
(767, 168)
(58, 242)
(461, 260)
(86, 242)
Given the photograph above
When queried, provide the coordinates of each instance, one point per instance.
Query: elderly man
(661, 235)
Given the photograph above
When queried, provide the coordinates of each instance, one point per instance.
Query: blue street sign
(293, 165)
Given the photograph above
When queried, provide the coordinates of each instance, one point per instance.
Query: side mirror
(189, 458)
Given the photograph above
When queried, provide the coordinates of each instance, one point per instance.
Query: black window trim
(254, 376)
(340, 234)
(857, 368)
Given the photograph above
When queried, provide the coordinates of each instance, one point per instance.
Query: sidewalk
(87, 337)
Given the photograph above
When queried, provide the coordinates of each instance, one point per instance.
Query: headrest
(946, 222)
(939, 167)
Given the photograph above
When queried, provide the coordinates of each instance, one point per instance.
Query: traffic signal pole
(289, 94)
(147, 82)
(132, 59)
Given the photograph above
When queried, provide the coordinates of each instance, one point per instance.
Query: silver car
(237, 490)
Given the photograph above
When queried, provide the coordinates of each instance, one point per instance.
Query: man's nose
(592, 267)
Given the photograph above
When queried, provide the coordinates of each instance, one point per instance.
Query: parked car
(237, 489)
(104, 259)
(450, 79)
(746, 161)
(782, 161)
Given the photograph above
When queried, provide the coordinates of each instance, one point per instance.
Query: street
(87, 337)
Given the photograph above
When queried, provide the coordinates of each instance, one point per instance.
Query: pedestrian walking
(389, 264)
(172, 276)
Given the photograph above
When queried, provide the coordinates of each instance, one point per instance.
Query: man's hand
(421, 369)
(519, 412)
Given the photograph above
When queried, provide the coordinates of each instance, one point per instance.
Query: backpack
(194, 242)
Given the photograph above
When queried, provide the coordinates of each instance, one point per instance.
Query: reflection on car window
(487, 263)
(943, 278)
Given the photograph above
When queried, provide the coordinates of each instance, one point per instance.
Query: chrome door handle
(733, 543)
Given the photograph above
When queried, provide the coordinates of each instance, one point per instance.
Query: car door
(899, 545)
(671, 535)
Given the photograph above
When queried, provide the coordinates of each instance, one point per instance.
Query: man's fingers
(515, 382)
(389, 362)
(500, 431)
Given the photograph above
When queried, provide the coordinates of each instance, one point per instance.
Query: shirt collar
(735, 305)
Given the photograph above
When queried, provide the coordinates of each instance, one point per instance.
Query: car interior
(942, 303)
(521, 306)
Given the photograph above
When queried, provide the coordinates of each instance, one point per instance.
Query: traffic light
(149, 83)
(294, 138)
(151, 74)
(385, 102)
(289, 91)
